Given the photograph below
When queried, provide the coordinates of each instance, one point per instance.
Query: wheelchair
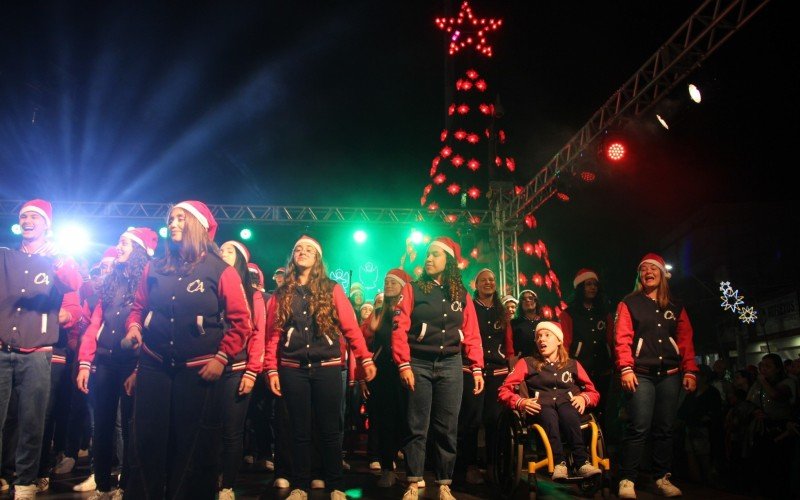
(522, 449)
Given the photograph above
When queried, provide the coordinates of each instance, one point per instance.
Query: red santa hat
(356, 287)
(242, 249)
(523, 292)
(399, 276)
(367, 305)
(280, 270)
(253, 268)
(308, 240)
(583, 275)
(449, 246)
(201, 212)
(658, 261)
(41, 207)
(144, 236)
(509, 298)
(484, 270)
(110, 254)
(552, 327)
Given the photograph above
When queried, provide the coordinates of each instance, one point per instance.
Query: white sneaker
(100, 495)
(297, 495)
(338, 495)
(588, 470)
(560, 472)
(375, 465)
(4, 486)
(666, 488)
(117, 494)
(226, 494)
(626, 489)
(317, 484)
(65, 466)
(269, 465)
(474, 475)
(42, 484)
(444, 493)
(26, 492)
(421, 483)
(388, 479)
(281, 482)
(411, 493)
(86, 485)
(83, 453)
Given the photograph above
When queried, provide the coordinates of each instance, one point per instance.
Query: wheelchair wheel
(508, 455)
(591, 485)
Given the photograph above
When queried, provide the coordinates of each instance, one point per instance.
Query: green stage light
(245, 234)
(360, 236)
(416, 237)
(354, 493)
(162, 232)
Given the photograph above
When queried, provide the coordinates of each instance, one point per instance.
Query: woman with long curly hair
(433, 319)
(654, 354)
(523, 326)
(240, 374)
(189, 318)
(100, 350)
(309, 323)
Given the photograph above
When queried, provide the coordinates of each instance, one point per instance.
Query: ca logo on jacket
(566, 377)
(669, 314)
(456, 306)
(42, 279)
(195, 286)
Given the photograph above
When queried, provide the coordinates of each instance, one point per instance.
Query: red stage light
(451, 109)
(537, 279)
(473, 138)
(463, 109)
(530, 220)
(460, 135)
(443, 135)
(474, 193)
(528, 248)
(453, 189)
(474, 253)
(522, 279)
(451, 218)
(485, 109)
(563, 197)
(475, 219)
(457, 161)
(473, 164)
(480, 85)
(446, 151)
(615, 151)
(439, 179)
(587, 176)
(471, 73)
(511, 164)
(433, 206)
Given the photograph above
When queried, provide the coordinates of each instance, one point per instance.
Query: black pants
(259, 426)
(175, 434)
(234, 413)
(106, 386)
(314, 392)
(563, 420)
(57, 413)
(387, 411)
(284, 432)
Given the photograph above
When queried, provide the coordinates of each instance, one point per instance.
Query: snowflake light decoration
(731, 302)
(748, 315)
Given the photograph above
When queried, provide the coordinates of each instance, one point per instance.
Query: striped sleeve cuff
(221, 357)
(626, 369)
(272, 373)
(403, 366)
(519, 401)
(367, 362)
(585, 397)
(84, 365)
(690, 375)
(477, 371)
(137, 325)
(250, 375)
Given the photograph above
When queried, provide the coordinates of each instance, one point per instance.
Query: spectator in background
(510, 303)
(529, 314)
(700, 419)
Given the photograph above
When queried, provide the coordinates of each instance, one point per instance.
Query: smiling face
(176, 224)
(33, 225)
(228, 253)
(485, 284)
(124, 249)
(546, 342)
(391, 287)
(511, 307)
(649, 276)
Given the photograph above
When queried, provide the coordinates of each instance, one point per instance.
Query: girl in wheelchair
(558, 401)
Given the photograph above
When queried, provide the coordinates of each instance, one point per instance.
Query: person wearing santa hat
(478, 410)
(529, 314)
(558, 392)
(103, 366)
(588, 332)
(433, 320)
(279, 276)
(384, 394)
(654, 353)
(34, 284)
(189, 318)
(510, 303)
(241, 372)
(356, 295)
(308, 321)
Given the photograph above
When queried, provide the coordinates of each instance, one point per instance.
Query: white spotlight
(694, 93)
(662, 121)
(72, 239)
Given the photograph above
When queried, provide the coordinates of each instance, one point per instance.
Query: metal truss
(505, 228)
(711, 25)
(267, 214)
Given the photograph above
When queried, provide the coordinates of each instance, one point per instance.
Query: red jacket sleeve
(237, 314)
(506, 394)
(273, 332)
(401, 352)
(68, 278)
(349, 326)
(623, 339)
(256, 342)
(684, 338)
(140, 301)
(589, 392)
(369, 335)
(509, 341)
(473, 346)
(72, 304)
(567, 328)
(89, 340)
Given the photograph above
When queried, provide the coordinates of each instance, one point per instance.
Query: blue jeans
(29, 376)
(435, 401)
(651, 412)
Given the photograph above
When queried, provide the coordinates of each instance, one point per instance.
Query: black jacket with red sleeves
(551, 385)
(430, 324)
(524, 335)
(101, 341)
(653, 339)
(181, 315)
(32, 289)
(588, 337)
(496, 339)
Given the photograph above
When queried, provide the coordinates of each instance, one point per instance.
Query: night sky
(341, 104)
